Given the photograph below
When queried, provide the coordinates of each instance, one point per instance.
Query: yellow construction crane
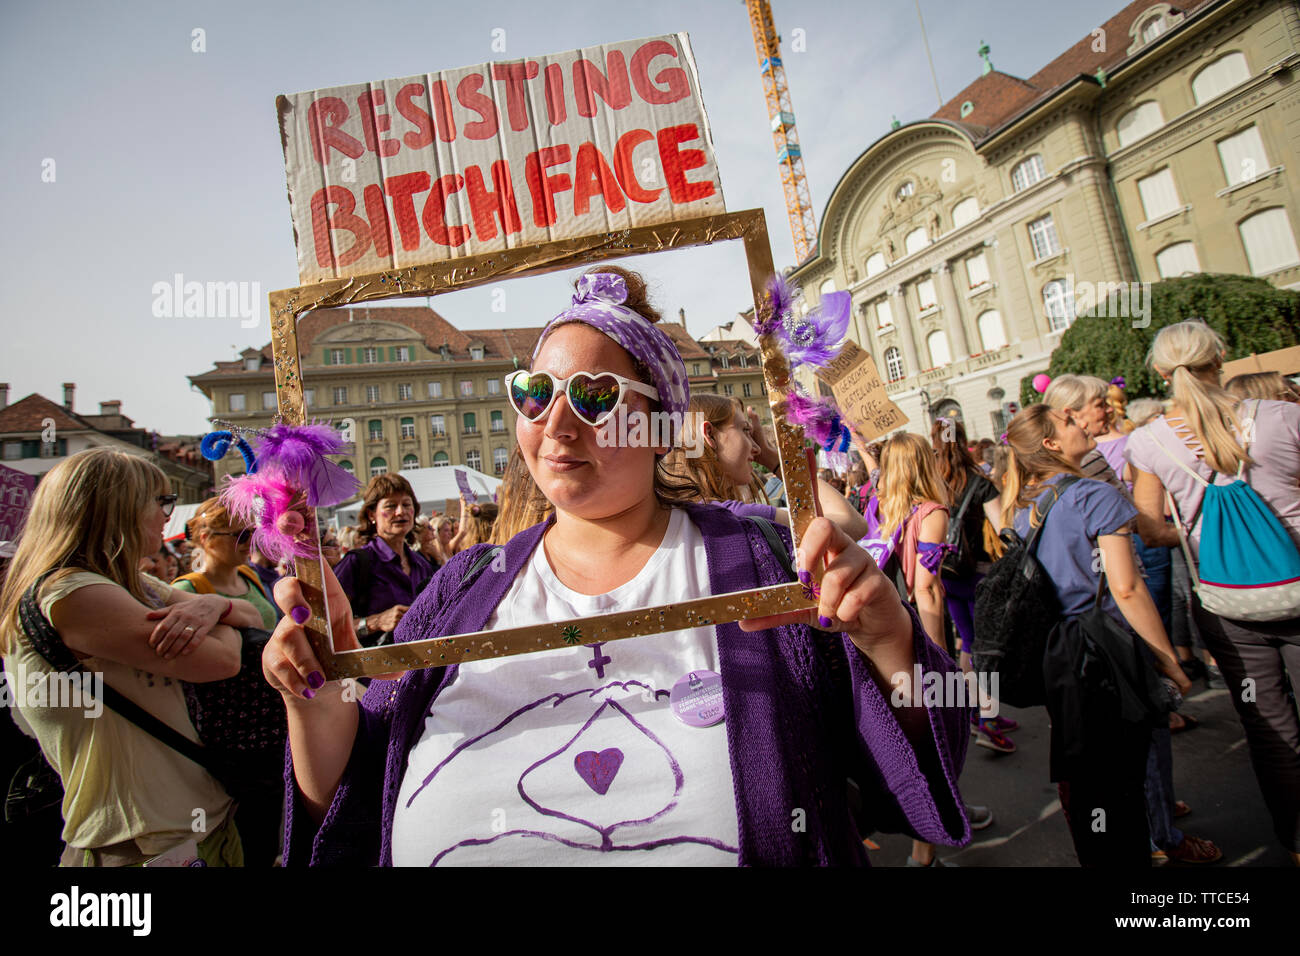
(798, 202)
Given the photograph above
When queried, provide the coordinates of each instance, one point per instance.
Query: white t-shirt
(573, 756)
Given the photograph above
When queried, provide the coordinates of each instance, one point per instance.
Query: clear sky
(167, 160)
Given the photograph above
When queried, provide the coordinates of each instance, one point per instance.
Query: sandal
(1195, 850)
(1181, 722)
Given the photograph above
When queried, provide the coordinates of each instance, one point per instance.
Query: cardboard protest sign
(498, 156)
(15, 496)
(860, 393)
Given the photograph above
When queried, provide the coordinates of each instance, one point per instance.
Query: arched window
(893, 364)
(410, 461)
(992, 334)
(347, 466)
(905, 190)
(1269, 241)
(441, 459)
(826, 286)
(1177, 260)
(1138, 122)
(916, 240)
(967, 210)
(1059, 304)
(1028, 172)
(937, 343)
(1219, 77)
(378, 466)
(876, 264)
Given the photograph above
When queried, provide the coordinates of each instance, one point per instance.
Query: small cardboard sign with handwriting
(860, 392)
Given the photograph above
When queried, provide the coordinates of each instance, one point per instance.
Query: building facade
(37, 433)
(1154, 147)
(413, 391)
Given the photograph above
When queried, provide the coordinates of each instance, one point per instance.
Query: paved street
(1212, 774)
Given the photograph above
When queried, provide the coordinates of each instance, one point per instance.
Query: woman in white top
(127, 796)
(1205, 432)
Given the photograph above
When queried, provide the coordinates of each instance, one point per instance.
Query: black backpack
(1016, 607)
(960, 560)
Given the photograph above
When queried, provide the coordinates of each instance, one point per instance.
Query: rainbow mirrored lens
(593, 398)
(531, 394)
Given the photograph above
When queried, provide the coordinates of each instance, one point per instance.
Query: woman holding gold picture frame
(704, 746)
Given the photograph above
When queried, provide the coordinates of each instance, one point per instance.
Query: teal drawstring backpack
(1249, 568)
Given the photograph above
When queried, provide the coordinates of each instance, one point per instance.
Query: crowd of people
(809, 716)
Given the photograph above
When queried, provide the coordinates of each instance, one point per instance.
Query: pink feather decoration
(819, 419)
(265, 501)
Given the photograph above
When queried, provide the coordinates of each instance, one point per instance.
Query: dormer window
(1152, 24)
(444, 351)
(476, 353)
(252, 363)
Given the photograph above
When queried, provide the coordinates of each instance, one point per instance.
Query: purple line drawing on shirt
(599, 660)
(573, 844)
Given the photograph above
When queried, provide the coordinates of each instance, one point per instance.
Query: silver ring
(190, 628)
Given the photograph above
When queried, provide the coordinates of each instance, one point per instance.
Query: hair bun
(638, 297)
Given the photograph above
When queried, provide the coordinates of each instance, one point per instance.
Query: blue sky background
(169, 161)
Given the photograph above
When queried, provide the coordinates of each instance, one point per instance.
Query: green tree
(1250, 314)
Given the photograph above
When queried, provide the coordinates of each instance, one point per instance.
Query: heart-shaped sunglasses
(592, 396)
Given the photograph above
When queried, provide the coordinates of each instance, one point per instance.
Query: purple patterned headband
(598, 302)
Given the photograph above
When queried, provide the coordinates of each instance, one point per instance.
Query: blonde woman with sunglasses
(127, 795)
(576, 755)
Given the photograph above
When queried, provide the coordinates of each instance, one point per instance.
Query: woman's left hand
(183, 626)
(855, 597)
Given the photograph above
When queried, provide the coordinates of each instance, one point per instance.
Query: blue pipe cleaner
(214, 446)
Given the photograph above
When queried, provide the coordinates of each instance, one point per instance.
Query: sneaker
(1005, 724)
(911, 861)
(1195, 850)
(1214, 678)
(989, 736)
(1159, 858)
(979, 817)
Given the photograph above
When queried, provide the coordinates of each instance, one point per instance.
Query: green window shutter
(347, 354)
(327, 357)
(392, 353)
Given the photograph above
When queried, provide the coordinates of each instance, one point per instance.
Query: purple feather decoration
(817, 419)
(298, 452)
(780, 298)
(816, 338)
(268, 503)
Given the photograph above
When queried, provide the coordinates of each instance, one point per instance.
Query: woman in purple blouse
(583, 754)
(383, 578)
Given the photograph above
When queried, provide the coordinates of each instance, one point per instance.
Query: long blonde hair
(521, 502)
(908, 476)
(1182, 352)
(1030, 464)
(702, 478)
(87, 515)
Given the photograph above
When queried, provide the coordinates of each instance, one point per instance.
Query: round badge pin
(696, 699)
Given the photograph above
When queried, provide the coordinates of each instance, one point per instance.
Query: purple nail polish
(300, 614)
(316, 680)
(824, 622)
(309, 693)
(805, 577)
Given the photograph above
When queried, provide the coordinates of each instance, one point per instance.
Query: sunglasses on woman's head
(592, 396)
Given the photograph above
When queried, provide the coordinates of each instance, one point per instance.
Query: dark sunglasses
(593, 397)
(241, 537)
(167, 503)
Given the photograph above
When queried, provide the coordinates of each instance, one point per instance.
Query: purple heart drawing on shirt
(599, 769)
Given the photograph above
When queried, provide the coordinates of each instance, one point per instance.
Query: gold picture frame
(747, 226)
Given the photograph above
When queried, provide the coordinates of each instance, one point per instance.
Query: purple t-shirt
(1113, 452)
(1066, 544)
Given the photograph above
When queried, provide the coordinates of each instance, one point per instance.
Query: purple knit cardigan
(803, 716)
